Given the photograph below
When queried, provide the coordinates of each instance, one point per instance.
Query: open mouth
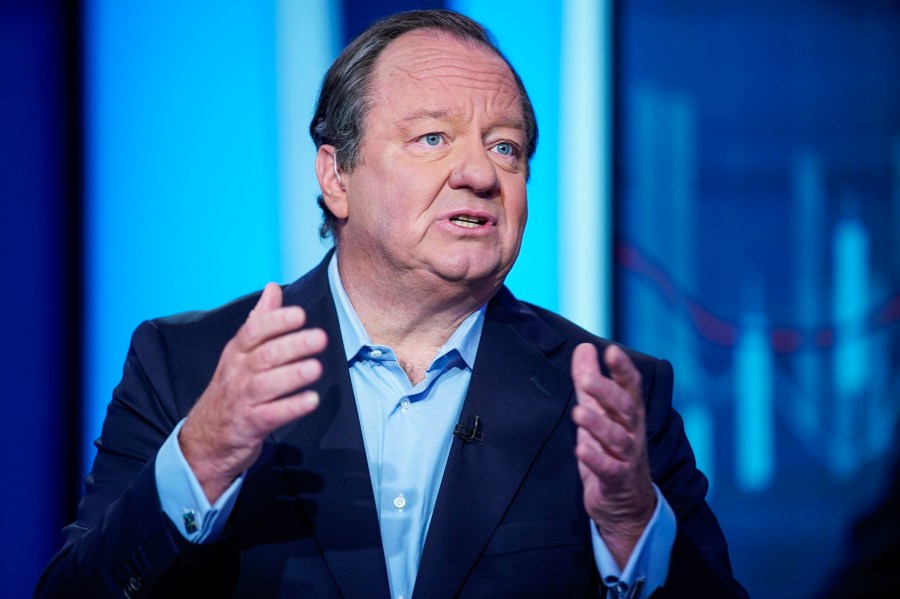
(464, 220)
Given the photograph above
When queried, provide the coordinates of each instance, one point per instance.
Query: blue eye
(505, 149)
(432, 139)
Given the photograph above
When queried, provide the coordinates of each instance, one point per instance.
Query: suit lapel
(325, 459)
(520, 398)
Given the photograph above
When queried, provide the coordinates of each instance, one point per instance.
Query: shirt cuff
(648, 566)
(182, 498)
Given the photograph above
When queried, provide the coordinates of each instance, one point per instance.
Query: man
(300, 442)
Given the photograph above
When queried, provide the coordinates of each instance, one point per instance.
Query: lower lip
(480, 230)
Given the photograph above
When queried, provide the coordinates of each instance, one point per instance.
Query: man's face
(440, 188)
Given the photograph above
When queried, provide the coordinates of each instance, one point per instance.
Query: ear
(333, 192)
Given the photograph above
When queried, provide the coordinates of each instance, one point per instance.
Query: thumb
(269, 300)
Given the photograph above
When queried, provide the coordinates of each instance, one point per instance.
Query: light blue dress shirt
(407, 430)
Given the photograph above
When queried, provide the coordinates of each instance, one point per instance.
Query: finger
(279, 382)
(275, 414)
(612, 436)
(608, 469)
(590, 380)
(595, 390)
(270, 298)
(586, 442)
(287, 348)
(616, 403)
(585, 364)
(586, 375)
(623, 371)
(263, 326)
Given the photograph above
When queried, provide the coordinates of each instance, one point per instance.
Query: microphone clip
(470, 433)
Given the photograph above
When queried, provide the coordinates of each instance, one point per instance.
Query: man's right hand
(270, 356)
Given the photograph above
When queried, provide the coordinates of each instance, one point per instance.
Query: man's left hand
(612, 448)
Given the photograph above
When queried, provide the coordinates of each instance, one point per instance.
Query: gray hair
(344, 99)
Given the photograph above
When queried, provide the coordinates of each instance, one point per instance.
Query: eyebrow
(445, 114)
(426, 113)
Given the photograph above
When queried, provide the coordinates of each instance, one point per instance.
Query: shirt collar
(464, 339)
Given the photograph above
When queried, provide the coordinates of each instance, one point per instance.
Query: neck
(422, 310)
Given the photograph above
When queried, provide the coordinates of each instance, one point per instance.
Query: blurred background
(717, 183)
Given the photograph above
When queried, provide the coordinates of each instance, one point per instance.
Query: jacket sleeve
(121, 543)
(699, 564)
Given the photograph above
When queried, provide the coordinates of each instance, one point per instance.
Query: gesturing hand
(612, 448)
(270, 356)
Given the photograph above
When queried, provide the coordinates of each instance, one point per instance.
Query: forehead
(430, 60)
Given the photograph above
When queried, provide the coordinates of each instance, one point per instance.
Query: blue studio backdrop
(717, 184)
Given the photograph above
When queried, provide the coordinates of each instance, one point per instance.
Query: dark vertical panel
(73, 131)
(39, 304)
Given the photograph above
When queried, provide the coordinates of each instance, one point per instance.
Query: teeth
(464, 220)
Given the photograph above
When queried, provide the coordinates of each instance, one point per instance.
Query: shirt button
(376, 353)
(404, 405)
(400, 501)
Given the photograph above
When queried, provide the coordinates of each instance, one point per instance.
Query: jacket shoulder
(572, 335)
(216, 326)
(206, 326)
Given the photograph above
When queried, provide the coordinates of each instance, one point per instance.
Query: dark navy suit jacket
(509, 519)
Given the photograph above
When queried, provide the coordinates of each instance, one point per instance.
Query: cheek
(518, 215)
(398, 211)
(401, 197)
(517, 207)
(415, 191)
(524, 211)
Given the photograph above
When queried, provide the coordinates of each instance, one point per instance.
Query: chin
(472, 271)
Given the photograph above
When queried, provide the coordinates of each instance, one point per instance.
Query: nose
(474, 170)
